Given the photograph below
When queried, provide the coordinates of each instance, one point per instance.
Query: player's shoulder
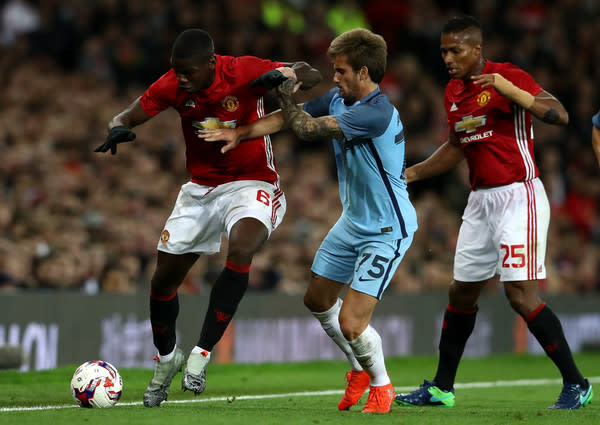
(168, 78)
(377, 100)
(165, 85)
(503, 68)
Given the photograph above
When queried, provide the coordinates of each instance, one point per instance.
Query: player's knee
(163, 287)
(242, 254)
(351, 328)
(462, 296)
(522, 298)
(315, 303)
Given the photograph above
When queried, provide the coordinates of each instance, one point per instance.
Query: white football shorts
(504, 232)
(202, 214)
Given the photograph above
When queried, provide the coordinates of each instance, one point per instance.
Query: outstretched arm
(305, 126)
(131, 116)
(271, 123)
(119, 128)
(543, 106)
(443, 159)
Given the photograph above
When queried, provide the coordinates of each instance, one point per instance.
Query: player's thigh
(377, 261)
(522, 233)
(195, 224)
(476, 256)
(255, 199)
(336, 257)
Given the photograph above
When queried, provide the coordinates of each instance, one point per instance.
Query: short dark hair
(362, 48)
(460, 24)
(193, 43)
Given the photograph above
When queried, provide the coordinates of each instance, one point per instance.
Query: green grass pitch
(496, 390)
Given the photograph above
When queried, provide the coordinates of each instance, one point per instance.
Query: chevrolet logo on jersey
(213, 123)
(469, 123)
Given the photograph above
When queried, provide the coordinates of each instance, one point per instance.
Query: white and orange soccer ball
(96, 384)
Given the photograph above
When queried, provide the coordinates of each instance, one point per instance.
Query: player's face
(461, 54)
(192, 74)
(346, 79)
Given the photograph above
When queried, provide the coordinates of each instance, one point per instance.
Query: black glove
(116, 135)
(269, 79)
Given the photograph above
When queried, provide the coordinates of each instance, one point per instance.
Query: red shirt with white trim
(496, 135)
(229, 102)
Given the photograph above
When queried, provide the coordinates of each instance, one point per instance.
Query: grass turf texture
(252, 394)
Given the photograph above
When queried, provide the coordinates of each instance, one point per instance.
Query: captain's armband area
(551, 116)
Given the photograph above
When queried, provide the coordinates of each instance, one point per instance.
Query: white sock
(198, 360)
(331, 325)
(167, 357)
(368, 351)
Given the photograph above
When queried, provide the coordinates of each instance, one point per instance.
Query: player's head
(193, 60)
(359, 57)
(461, 47)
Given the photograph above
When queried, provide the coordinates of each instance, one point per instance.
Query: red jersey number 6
(264, 197)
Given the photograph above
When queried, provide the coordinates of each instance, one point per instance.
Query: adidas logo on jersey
(453, 107)
(190, 103)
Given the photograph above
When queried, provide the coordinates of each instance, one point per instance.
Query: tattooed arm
(301, 123)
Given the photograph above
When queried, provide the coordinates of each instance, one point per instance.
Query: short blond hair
(362, 48)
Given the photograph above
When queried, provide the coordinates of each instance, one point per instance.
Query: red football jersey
(496, 135)
(229, 102)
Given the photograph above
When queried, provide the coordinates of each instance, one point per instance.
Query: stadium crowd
(71, 219)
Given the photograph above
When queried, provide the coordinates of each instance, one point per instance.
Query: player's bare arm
(596, 142)
(271, 123)
(301, 123)
(443, 159)
(133, 115)
(119, 128)
(543, 106)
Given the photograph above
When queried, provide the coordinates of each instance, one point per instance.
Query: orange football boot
(358, 382)
(380, 399)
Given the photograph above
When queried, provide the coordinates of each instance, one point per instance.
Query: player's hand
(116, 135)
(410, 174)
(288, 87)
(505, 88)
(227, 135)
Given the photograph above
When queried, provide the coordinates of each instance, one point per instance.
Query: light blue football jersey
(370, 164)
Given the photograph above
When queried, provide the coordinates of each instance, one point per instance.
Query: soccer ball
(96, 384)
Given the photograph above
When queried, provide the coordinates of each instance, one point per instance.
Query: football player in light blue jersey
(365, 246)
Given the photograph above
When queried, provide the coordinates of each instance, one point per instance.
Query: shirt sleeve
(596, 120)
(254, 67)
(158, 96)
(319, 107)
(365, 120)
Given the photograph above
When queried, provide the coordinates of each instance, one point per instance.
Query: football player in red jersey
(505, 223)
(236, 194)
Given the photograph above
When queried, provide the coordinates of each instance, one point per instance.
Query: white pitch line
(467, 385)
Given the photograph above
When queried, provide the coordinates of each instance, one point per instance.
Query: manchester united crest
(483, 98)
(164, 236)
(230, 103)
